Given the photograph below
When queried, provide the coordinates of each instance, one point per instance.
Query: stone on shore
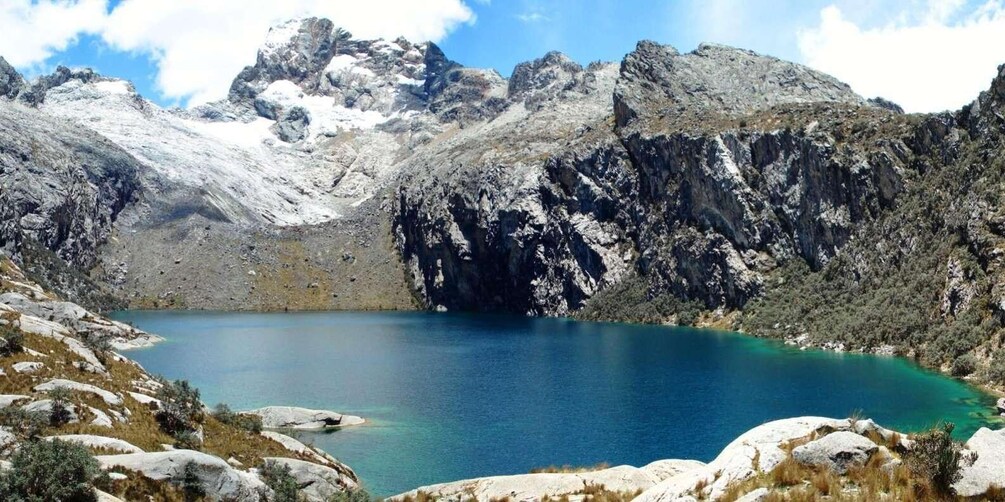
(532, 487)
(290, 417)
(760, 449)
(989, 468)
(838, 451)
(219, 479)
(317, 481)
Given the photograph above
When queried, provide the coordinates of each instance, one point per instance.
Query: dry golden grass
(142, 429)
(138, 487)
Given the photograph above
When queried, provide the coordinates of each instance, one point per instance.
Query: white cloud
(532, 17)
(931, 59)
(34, 31)
(200, 45)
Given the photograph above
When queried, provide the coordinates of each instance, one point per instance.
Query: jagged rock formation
(62, 187)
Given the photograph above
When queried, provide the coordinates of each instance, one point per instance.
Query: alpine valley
(716, 188)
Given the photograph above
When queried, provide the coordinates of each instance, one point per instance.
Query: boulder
(108, 397)
(299, 448)
(27, 367)
(1000, 405)
(106, 497)
(837, 451)
(45, 406)
(292, 124)
(103, 442)
(528, 487)
(151, 402)
(9, 399)
(219, 479)
(101, 419)
(319, 483)
(755, 496)
(989, 468)
(289, 417)
(765, 443)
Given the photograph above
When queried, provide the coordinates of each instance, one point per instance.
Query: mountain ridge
(344, 173)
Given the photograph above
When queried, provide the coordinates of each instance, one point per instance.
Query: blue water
(452, 396)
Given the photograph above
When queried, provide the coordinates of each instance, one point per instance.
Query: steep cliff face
(697, 185)
(489, 218)
(61, 189)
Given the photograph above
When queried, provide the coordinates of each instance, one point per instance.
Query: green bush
(996, 371)
(250, 423)
(359, 495)
(60, 413)
(98, 344)
(632, 301)
(187, 440)
(964, 365)
(12, 340)
(279, 478)
(191, 485)
(181, 408)
(44, 471)
(936, 457)
(26, 425)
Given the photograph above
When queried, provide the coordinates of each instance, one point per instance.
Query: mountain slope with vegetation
(716, 187)
(76, 416)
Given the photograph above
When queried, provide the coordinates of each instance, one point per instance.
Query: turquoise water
(452, 396)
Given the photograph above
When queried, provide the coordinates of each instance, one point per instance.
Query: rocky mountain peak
(11, 81)
(657, 80)
(34, 93)
(988, 110)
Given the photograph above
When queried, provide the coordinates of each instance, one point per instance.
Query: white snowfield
(241, 169)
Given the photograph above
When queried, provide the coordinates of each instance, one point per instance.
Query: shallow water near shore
(454, 396)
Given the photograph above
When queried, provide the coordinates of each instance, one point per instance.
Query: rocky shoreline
(64, 366)
(747, 469)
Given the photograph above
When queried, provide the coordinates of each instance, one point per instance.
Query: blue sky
(927, 54)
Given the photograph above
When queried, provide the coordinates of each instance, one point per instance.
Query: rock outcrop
(291, 417)
(838, 451)
(531, 487)
(63, 187)
(219, 479)
(11, 82)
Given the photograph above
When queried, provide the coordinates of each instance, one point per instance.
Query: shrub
(358, 495)
(191, 484)
(12, 340)
(250, 423)
(187, 440)
(26, 425)
(181, 409)
(996, 372)
(279, 478)
(936, 457)
(964, 365)
(43, 471)
(98, 344)
(60, 413)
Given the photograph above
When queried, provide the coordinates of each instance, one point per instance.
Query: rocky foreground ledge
(126, 434)
(803, 458)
